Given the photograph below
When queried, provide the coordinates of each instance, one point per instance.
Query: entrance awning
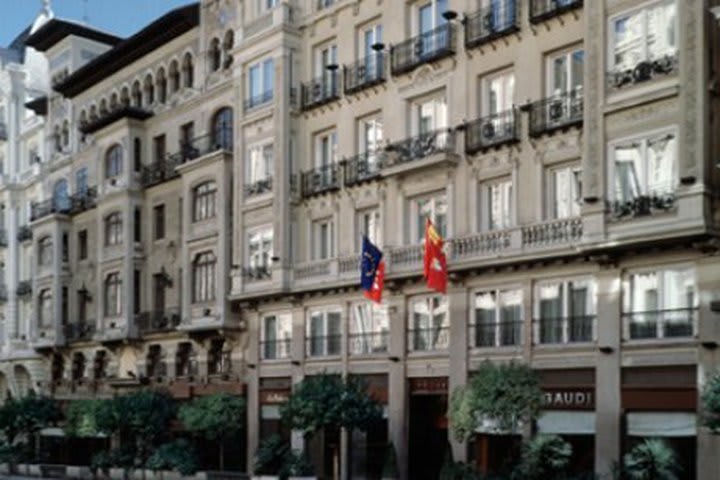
(567, 422)
(661, 424)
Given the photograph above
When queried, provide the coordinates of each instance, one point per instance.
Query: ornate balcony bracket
(644, 71)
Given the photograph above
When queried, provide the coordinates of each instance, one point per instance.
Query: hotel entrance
(428, 427)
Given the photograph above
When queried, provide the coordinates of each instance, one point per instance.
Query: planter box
(265, 477)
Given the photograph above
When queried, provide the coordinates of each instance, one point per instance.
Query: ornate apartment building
(196, 216)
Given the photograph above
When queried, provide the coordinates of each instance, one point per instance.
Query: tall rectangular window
(324, 333)
(498, 319)
(275, 336)
(644, 167)
(159, 148)
(497, 204)
(326, 149)
(433, 207)
(81, 181)
(137, 291)
(261, 165)
(369, 329)
(261, 81)
(645, 34)
(429, 115)
(82, 245)
(565, 72)
(368, 224)
(260, 248)
(564, 311)
(429, 325)
(565, 192)
(370, 136)
(323, 239)
(499, 91)
(187, 134)
(159, 221)
(137, 225)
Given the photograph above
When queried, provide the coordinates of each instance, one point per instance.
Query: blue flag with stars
(369, 263)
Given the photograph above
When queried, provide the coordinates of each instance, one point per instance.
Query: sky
(120, 17)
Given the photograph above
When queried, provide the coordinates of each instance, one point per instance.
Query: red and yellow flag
(435, 263)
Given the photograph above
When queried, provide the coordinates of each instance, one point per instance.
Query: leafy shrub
(178, 456)
(651, 460)
(544, 457)
(270, 455)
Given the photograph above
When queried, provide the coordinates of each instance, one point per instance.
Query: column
(458, 309)
(397, 383)
(297, 356)
(253, 381)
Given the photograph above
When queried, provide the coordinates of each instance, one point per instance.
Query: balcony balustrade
(575, 329)
(220, 140)
(558, 112)
(492, 131)
(321, 179)
(670, 323)
(321, 90)
(541, 10)
(83, 201)
(79, 332)
(492, 22)
(255, 273)
(363, 167)
(431, 46)
(159, 171)
(259, 187)
(323, 345)
(642, 205)
(157, 321)
(49, 207)
(364, 73)
(496, 334)
(368, 343)
(275, 349)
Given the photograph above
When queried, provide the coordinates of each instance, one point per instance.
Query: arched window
(103, 107)
(125, 97)
(188, 71)
(204, 277)
(113, 295)
(136, 95)
(149, 90)
(161, 86)
(204, 201)
(114, 101)
(222, 129)
(113, 161)
(228, 43)
(215, 55)
(45, 308)
(93, 113)
(113, 229)
(61, 198)
(174, 74)
(45, 251)
(78, 366)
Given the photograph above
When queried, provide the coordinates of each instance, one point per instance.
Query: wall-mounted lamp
(606, 349)
(165, 277)
(449, 15)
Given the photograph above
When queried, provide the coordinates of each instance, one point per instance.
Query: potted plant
(544, 456)
(651, 460)
(390, 470)
(298, 467)
(269, 458)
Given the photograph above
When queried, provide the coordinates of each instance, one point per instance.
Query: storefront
(428, 426)
(273, 393)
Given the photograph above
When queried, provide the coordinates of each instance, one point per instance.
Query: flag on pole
(435, 263)
(371, 267)
(375, 293)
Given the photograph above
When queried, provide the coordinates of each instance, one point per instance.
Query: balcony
(79, 332)
(644, 71)
(221, 140)
(112, 116)
(555, 113)
(24, 288)
(160, 171)
(24, 233)
(364, 73)
(83, 201)
(362, 168)
(323, 345)
(492, 131)
(157, 321)
(496, 20)
(275, 349)
(428, 47)
(657, 324)
(541, 10)
(259, 187)
(555, 232)
(3, 132)
(420, 147)
(642, 205)
(323, 89)
(320, 180)
(576, 329)
(428, 339)
(368, 343)
(3, 238)
(258, 100)
(497, 334)
(256, 273)
(49, 207)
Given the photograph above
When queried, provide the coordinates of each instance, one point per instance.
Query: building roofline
(55, 30)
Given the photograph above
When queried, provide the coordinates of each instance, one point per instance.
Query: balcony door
(565, 72)
(158, 292)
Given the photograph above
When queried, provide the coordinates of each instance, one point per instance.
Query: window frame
(316, 239)
(204, 277)
(282, 336)
(439, 329)
(265, 95)
(113, 161)
(568, 53)
(112, 295)
(45, 307)
(251, 257)
(485, 203)
(486, 91)
(417, 228)
(362, 226)
(159, 223)
(325, 337)
(204, 201)
(565, 286)
(574, 172)
(113, 229)
(499, 321)
(45, 251)
(260, 149)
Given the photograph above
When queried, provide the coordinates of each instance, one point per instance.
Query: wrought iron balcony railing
(429, 339)
(323, 345)
(555, 113)
(258, 100)
(494, 21)
(541, 10)
(364, 73)
(259, 187)
(642, 205)
(321, 90)
(574, 329)
(670, 323)
(49, 207)
(220, 363)
(320, 180)
(496, 334)
(83, 201)
(78, 332)
(368, 343)
(159, 171)
(430, 46)
(275, 349)
(492, 131)
(157, 321)
(363, 167)
(420, 146)
(220, 140)
(111, 116)
(24, 233)
(643, 72)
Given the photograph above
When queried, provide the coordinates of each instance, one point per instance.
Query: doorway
(428, 435)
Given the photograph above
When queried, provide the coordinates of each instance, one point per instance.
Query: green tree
(711, 402)
(543, 457)
(270, 455)
(504, 394)
(178, 455)
(219, 418)
(22, 419)
(652, 459)
(81, 418)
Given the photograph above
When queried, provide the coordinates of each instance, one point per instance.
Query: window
(45, 308)
(660, 304)
(174, 74)
(324, 3)
(323, 239)
(65, 247)
(496, 204)
(325, 57)
(326, 149)
(261, 81)
(159, 221)
(228, 44)
(499, 93)
(161, 86)
(137, 291)
(61, 198)
(137, 225)
(644, 167)
(369, 329)
(266, 5)
(370, 136)
(187, 134)
(433, 207)
(113, 161)
(430, 15)
(275, 336)
(149, 90)
(498, 319)
(215, 55)
(222, 129)
(159, 148)
(565, 192)
(324, 333)
(113, 295)
(136, 96)
(204, 277)
(373, 61)
(429, 324)
(429, 115)
(261, 164)
(188, 71)
(113, 229)
(82, 245)
(260, 248)
(647, 34)
(368, 224)
(45, 251)
(204, 201)
(565, 71)
(565, 311)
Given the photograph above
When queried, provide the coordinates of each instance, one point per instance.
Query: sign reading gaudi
(569, 399)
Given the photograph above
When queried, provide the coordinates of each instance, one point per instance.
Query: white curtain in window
(661, 164)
